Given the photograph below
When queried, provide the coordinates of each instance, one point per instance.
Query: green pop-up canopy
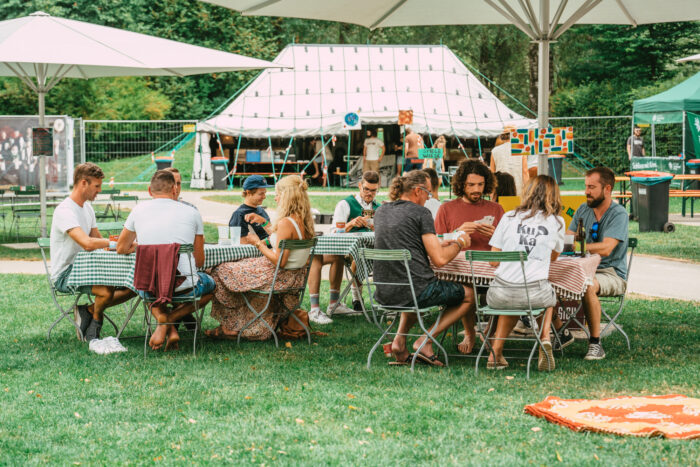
(668, 106)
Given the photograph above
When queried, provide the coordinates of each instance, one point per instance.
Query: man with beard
(473, 215)
(605, 224)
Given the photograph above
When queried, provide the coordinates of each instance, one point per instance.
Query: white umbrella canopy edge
(692, 58)
(543, 21)
(41, 50)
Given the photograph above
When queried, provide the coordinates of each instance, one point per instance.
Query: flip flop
(432, 360)
(500, 365)
(398, 362)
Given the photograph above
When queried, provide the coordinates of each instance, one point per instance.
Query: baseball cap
(255, 181)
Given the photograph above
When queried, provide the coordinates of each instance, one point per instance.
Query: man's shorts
(371, 166)
(61, 283)
(440, 293)
(610, 283)
(204, 286)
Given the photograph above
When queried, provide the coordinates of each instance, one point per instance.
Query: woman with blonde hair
(536, 228)
(236, 278)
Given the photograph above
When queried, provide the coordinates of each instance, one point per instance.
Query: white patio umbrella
(543, 21)
(41, 50)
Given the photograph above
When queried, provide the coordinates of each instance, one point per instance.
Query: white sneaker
(318, 317)
(340, 309)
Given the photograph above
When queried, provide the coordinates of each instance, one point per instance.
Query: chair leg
(613, 322)
(130, 313)
(432, 339)
(378, 343)
(147, 318)
(64, 314)
(255, 318)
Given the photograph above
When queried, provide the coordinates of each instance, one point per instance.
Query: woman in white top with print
(535, 227)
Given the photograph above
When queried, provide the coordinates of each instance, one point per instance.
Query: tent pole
(683, 141)
(347, 161)
(286, 155)
(234, 169)
(272, 158)
(653, 140)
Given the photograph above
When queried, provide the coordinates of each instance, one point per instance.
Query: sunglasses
(594, 231)
(430, 195)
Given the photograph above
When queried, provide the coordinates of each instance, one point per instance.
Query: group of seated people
(411, 220)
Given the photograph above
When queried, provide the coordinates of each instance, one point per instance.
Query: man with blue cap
(251, 214)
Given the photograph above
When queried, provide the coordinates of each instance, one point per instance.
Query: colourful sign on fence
(526, 142)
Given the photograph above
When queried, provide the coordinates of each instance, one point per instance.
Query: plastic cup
(235, 235)
(224, 238)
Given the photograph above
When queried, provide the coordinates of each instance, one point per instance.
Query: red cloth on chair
(155, 271)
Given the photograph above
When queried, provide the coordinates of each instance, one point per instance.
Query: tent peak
(39, 13)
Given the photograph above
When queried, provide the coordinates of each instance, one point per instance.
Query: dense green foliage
(597, 70)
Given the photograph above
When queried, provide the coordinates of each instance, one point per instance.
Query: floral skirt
(235, 279)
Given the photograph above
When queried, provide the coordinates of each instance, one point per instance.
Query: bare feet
(158, 337)
(467, 345)
(173, 339)
(220, 333)
(399, 351)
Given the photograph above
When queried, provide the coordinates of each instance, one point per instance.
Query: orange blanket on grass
(672, 416)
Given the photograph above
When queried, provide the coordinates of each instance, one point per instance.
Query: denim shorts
(61, 283)
(439, 293)
(504, 295)
(204, 286)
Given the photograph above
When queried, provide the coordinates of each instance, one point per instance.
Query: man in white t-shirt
(164, 220)
(74, 229)
(373, 152)
(352, 214)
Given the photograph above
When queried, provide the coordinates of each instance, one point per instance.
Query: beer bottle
(581, 234)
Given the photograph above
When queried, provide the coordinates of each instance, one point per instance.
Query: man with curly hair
(472, 214)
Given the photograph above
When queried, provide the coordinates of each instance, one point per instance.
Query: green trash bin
(163, 163)
(651, 191)
(693, 166)
(219, 169)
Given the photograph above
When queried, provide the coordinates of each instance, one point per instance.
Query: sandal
(501, 364)
(398, 362)
(218, 333)
(432, 360)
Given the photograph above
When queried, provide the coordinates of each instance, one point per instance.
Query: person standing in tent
(414, 142)
(635, 144)
(503, 161)
(440, 143)
(373, 152)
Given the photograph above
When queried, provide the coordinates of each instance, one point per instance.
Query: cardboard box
(241, 155)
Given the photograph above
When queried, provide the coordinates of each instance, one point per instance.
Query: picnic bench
(624, 195)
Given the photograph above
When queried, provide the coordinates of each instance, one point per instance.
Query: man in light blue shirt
(605, 225)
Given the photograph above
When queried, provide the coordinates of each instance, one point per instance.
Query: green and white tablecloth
(102, 267)
(346, 244)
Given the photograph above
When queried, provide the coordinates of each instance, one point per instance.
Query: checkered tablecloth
(346, 244)
(569, 276)
(102, 267)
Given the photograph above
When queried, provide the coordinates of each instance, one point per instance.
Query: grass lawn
(318, 404)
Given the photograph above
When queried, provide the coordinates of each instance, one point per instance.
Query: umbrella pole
(543, 82)
(42, 166)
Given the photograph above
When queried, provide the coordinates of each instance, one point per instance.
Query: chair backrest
(110, 226)
(299, 252)
(632, 243)
(44, 243)
(500, 257)
(404, 256)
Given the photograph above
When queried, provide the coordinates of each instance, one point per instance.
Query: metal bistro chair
(109, 211)
(616, 304)
(380, 312)
(110, 227)
(301, 254)
(191, 296)
(65, 312)
(484, 311)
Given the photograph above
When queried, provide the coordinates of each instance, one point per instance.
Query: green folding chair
(616, 303)
(485, 312)
(109, 212)
(192, 297)
(64, 312)
(118, 199)
(387, 313)
(111, 227)
(301, 254)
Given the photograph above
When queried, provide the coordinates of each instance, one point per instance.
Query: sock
(313, 301)
(335, 295)
(356, 294)
(594, 340)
